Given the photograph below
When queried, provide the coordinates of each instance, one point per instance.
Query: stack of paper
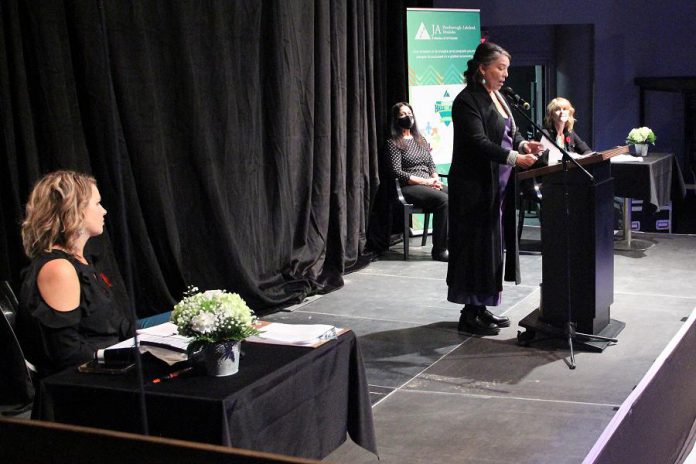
(166, 335)
(294, 334)
(626, 159)
(162, 341)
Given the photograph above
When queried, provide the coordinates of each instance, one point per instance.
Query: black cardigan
(475, 262)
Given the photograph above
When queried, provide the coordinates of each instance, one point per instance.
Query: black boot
(486, 315)
(440, 255)
(470, 321)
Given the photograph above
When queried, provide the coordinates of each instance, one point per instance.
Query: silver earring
(483, 81)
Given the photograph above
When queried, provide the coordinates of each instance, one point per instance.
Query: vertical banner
(440, 43)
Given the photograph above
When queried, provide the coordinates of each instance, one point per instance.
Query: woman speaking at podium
(487, 146)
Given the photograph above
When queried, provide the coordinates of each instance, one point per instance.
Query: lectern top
(591, 159)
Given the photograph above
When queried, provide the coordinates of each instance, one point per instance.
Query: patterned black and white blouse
(413, 161)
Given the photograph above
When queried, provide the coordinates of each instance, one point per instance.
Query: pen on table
(172, 375)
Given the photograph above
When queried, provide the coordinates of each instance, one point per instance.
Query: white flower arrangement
(213, 316)
(641, 135)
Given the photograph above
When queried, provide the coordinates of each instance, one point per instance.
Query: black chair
(530, 198)
(408, 209)
(16, 387)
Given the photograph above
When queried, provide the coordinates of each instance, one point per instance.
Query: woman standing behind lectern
(486, 147)
(559, 122)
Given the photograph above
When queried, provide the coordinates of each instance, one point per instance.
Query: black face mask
(406, 122)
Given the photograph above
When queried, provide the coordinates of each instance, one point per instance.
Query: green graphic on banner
(444, 108)
(440, 42)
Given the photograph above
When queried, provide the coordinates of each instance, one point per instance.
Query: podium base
(536, 327)
(633, 244)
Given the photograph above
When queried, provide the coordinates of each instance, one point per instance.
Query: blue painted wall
(633, 38)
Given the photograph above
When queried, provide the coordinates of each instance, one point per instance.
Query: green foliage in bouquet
(641, 135)
(213, 316)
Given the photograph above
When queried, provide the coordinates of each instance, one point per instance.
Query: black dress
(53, 340)
(412, 160)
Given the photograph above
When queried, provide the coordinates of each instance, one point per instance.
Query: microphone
(515, 98)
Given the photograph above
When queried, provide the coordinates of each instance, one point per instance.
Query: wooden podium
(577, 251)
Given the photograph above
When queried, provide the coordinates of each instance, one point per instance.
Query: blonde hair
(557, 104)
(55, 211)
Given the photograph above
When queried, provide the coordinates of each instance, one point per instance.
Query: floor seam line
(515, 398)
(419, 373)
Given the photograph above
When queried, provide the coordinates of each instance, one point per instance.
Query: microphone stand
(141, 381)
(570, 331)
(132, 314)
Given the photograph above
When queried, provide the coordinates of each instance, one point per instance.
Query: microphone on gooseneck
(516, 99)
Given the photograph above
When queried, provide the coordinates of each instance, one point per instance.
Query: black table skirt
(288, 400)
(655, 180)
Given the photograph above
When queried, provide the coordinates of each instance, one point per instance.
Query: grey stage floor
(441, 396)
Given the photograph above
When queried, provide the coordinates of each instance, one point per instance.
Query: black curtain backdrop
(391, 87)
(235, 143)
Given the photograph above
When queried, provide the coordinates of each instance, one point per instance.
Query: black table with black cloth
(655, 180)
(290, 400)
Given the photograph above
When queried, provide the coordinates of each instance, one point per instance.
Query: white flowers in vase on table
(641, 135)
(213, 316)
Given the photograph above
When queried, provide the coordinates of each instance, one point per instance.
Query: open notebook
(162, 341)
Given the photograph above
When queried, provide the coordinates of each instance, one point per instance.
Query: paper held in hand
(309, 335)
(555, 155)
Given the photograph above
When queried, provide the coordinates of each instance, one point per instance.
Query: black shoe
(500, 321)
(441, 255)
(470, 321)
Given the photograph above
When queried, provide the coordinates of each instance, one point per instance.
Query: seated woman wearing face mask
(413, 165)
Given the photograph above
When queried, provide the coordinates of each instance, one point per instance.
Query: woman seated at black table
(559, 122)
(413, 166)
(67, 311)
